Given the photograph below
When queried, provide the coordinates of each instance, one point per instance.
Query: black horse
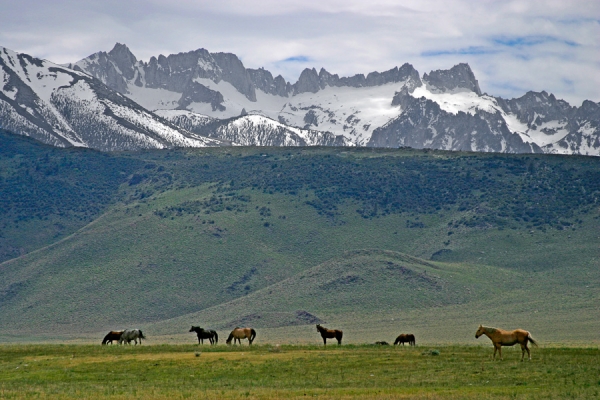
(406, 338)
(112, 335)
(202, 333)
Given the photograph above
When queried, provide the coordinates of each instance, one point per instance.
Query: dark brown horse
(501, 338)
(241, 333)
(406, 338)
(112, 335)
(202, 333)
(330, 334)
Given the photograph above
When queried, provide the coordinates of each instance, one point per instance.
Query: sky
(512, 46)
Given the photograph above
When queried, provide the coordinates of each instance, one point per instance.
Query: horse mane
(489, 329)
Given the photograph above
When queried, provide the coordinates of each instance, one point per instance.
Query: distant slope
(47, 193)
(63, 107)
(358, 282)
(175, 233)
(252, 130)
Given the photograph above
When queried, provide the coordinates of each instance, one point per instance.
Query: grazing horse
(131, 334)
(501, 338)
(202, 333)
(112, 335)
(406, 338)
(241, 333)
(330, 334)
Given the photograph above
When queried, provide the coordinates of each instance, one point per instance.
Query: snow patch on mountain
(459, 100)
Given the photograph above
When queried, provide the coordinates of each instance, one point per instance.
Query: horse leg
(500, 352)
(324, 341)
(495, 350)
(523, 349)
(522, 352)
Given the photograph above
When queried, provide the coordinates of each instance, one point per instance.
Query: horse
(501, 338)
(330, 334)
(382, 343)
(112, 335)
(202, 333)
(406, 338)
(131, 334)
(241, 333)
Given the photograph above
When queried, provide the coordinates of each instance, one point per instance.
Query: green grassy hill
(372, 240)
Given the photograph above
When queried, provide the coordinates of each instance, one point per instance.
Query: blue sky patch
(473, 50)
(297, 59)
(524, 41)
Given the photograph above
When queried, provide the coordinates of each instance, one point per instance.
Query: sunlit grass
(182, 371)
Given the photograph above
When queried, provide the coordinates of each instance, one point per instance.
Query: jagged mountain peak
(64, 107)
(444, 109)
(459, 77)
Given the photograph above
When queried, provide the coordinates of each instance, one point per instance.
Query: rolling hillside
(373, 240)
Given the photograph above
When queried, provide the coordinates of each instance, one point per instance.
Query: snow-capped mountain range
(112, 101)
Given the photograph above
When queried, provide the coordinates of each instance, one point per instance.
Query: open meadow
(267, 371)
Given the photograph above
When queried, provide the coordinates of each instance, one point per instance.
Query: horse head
(319, 327)
(479, 332)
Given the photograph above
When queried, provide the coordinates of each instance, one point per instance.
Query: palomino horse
(501, 338)
(202, 333)
(241, 333)
(112, 335)
(131, 334)
(406, 338)
(330, 334)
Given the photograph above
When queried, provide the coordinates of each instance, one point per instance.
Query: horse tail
(216, 336)
(533, 342)
(141, 334)
(252, 334)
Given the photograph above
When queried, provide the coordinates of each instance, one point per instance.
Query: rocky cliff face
(179, 73)
(424, 124)
(467, 120)
(459, 77)
(312, 82)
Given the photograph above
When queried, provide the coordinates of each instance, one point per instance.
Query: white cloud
(512, 46)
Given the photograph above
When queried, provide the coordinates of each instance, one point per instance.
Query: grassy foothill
(266, 371)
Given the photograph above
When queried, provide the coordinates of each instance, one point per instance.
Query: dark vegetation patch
(11, 291)
(489, 190)
(441, 254)
(274, 320)
(216, 203)
(414, 277)
(44, 187)
(242, 285)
